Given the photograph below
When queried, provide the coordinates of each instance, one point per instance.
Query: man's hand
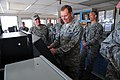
(48, 47)
(53, 51)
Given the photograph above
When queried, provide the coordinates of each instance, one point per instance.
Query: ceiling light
(1, 8)
(7, 4)
(28, 7)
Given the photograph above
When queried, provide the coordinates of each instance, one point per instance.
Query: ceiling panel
(34, 8)
(94, 2)
(59, 5)
(102, 5)
(12, 6)
(79, 7)
(46, 2)
(3, 5)
(1, 11)
(105, 6)
(74, 1)
(49, 7)
(48, 10)
(12, 11)
(22, 1)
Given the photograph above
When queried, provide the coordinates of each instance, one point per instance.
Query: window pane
(43, 21)
(53, 21)
(8, 21)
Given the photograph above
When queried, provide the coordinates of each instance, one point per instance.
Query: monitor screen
(15, 46)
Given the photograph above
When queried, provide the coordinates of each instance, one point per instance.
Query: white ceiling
(51, 7)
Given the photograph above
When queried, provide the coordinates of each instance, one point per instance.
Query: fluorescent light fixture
(28, 7)
(7, 4)
(1, 8)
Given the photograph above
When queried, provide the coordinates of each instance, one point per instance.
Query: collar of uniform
(70, 23)
(67, 24)
(39, 27)
(93, 24)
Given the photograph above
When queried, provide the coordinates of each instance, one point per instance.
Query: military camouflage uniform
(69, 48)
(91, 37)
(57, 29)
(110, 49)
(51, 30)
(40, 31)
(49, 24)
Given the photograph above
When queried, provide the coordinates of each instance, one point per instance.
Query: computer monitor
(15, 46)
(12, 29)
(40, 48)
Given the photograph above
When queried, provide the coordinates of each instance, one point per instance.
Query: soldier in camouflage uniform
(51, 31)
(39, 29)
(110, 49)
(58, 26)
(91, 45)
(23, 27)
(49, 23)
(68, 43)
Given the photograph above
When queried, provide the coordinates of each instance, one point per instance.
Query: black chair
(12, 29)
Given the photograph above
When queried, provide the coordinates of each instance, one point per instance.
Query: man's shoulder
(26, 28)
(58, 24)
(76, 23)
(32, 27)
(99, 24)
(44, 26)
